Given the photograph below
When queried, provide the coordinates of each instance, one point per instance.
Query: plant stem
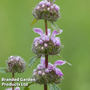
(46, 56)
(12, 81)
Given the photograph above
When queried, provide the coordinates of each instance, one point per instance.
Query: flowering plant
(43, 46)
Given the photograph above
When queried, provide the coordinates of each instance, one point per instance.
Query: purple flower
(41, 3)
(47, 3)
(51, 66)
(59, 62)
(17, 88)
(40, 32)
(16, 62)
(56, 40)
(45, 45)
(40, 41)
(45, 37)
(58, 72)
(43, 73)
(52, 7)
(46, 70)
(40, 66)
(34, 70)
(36, 39)
(43, 61)
(34, 73)
(57, 8)
(39, 72)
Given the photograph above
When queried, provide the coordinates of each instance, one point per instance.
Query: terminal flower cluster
(51, 74)
(46, 44)
(16, 64)
(46, 10)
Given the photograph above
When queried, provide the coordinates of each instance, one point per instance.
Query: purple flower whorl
(46, 44)
(16, 64)
(52, 74)
(46, 10)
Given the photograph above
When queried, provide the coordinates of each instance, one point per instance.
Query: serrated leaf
(34, 21)
(26, 88)
(64, 60)
(3, 70)
(53, 86)
(32, 60)
(54, 26)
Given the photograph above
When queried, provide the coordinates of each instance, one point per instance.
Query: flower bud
(39, 72)
(16, 64)
(42, 11)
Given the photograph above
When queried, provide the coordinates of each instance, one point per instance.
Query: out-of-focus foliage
(16, 37)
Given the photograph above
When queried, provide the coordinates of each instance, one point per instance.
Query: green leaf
(54, 26)
(53, 86)
(26, 88)
(64, 60)
(3, 70)
(31, 83)
(60, 56)
(34, 21)
(32, 60)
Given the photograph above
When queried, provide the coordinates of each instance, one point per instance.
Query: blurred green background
(16, 37)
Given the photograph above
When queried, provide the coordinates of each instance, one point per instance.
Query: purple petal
(43, 61)
(49, 32)
(57, 8)
(46, 70)
(60, 31)
(47, 3)
(58, 72)
(40, 41)
(45, 37)
(38, 31)
(17, 88)
(52, 7)
(39, 72)
(36, 39)
(59, 62)
(40, 66)
(58, 43)
(50, 66)
(45, 45)
(57, 39)
(54, 33)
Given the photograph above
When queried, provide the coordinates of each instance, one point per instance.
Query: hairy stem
(12, 81)
(46, 56)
